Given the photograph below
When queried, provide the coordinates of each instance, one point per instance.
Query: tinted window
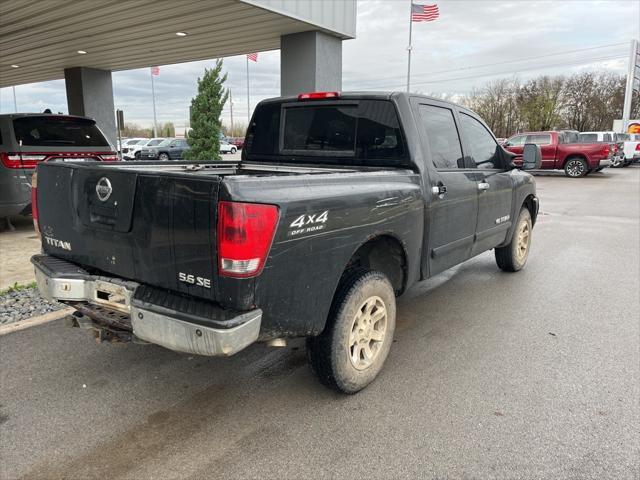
(53, 131)
(153, 143)
(517, 141)
(568, 137)
(607, 137)
(587, 138)
(483, 148)
(622, 137)
(542, 139)
(442, 134)
(368, 129)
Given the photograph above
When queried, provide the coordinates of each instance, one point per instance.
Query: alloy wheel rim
(523, 241)
(575, 168)
(368, 331)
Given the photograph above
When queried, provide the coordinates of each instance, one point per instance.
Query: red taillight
(318, 95)
(607, 150)
(109, 157)
(638, 147)
(34, 200)
(15, 160)
(245, 233)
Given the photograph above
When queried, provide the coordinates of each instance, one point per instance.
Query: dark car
(168, 149)
(342, 201)
(27, 139)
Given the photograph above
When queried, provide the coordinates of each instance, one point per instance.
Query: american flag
(252, 56)
(155, 71)
(424, 13)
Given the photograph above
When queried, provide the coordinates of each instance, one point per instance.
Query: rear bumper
(605, 163)
(180, 331)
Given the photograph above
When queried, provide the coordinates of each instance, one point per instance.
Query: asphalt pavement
(492, 375)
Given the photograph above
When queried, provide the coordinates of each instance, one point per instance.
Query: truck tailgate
(151, 226)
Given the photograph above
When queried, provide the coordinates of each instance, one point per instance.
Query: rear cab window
(57, 131)
(539, 139)
(442, 136)
(343, 131)
(587, 138)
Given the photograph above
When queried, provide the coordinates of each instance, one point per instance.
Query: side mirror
(531, 157)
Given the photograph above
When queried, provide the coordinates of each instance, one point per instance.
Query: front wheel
(163, 157)
(351, 351)
(513, 257)
(233, 150)
(576, 167)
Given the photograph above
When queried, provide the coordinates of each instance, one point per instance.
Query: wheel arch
(383, 252)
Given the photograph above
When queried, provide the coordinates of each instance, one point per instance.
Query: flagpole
(248, 102)
(15, 102)
(409, 47)
(231, 108)
(153, 97)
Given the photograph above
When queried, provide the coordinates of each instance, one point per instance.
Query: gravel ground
(21, 304)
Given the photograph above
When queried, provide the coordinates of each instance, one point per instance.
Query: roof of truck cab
(36, 114)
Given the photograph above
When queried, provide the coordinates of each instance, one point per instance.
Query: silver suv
(27, 139)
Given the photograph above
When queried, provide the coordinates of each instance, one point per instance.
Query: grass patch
(17, 287)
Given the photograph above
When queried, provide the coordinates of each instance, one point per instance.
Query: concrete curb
(34, 321)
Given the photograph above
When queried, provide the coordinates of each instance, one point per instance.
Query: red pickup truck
(558, 153)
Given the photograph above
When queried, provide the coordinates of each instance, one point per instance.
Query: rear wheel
(163, 156)
(351, 351)
(513, 257)
(576, 167)
(233, 150)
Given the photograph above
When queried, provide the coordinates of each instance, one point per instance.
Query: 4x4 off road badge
(104, 189)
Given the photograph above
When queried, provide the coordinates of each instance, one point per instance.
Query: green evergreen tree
(206, 108)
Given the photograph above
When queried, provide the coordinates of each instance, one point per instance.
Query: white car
(631, 146)
(226, 147)
(133, 151)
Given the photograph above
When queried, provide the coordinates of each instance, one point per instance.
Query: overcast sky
(472, 43)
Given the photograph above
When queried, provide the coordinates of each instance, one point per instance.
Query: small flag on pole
(424, 13)
(252, 56)
(155, 71)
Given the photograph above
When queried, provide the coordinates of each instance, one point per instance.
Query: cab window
(442, 135)
(483, 148)
(517, 141)
(541, 139)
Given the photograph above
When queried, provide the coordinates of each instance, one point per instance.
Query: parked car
(617, 156)
(226, 147)
(237, 141)
(28, 139)
(133, 151)
(631, 147)
(168, 149)
(126, 143)
(341, 203)
(576, 159)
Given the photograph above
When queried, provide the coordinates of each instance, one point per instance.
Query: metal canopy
(43, 37)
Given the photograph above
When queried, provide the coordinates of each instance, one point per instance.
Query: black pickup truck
(341, 202)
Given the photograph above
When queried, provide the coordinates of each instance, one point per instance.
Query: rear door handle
(482, 186)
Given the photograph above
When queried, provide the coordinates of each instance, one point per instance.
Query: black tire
(576, 167)
(136, 155)
(617, 162)
(626, 164)
(512, 257)
(164, 157)
(338, 356)
(233, 150)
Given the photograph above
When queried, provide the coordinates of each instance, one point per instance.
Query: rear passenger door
(493, 181)
(453, 198)
(547, 148)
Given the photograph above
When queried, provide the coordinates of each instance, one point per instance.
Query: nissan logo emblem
(104, 189)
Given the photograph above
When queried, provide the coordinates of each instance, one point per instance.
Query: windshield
(54, 131)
